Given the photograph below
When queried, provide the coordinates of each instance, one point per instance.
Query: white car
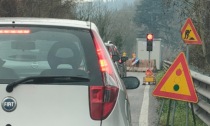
(56, 72)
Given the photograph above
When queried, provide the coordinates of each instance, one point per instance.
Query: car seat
(74, 60)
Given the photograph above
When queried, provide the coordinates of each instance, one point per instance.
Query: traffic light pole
(149, 59)
(150, 38)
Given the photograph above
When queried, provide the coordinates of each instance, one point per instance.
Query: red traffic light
(149, 37)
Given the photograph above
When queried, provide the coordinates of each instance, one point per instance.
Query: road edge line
(143, 117)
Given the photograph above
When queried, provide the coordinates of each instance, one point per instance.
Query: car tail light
(102, 61)
(103, 98)
(111, 56)
(102, 101)
(15, 31)
(120, 61)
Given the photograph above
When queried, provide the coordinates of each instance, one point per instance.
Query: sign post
(190, 36)
(187, 107)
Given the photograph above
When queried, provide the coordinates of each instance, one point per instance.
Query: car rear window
(47, 51)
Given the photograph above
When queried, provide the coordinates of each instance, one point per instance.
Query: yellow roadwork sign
(189, 33)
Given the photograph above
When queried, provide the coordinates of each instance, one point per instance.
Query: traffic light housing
(150, 38)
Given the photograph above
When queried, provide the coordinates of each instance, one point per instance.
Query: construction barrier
(143, 65)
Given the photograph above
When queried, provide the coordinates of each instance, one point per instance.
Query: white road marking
(143, 118)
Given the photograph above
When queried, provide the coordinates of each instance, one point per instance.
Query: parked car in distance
(117, 58)
(58, 72)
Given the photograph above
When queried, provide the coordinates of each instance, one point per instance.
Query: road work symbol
(177, 82)
(189, 33)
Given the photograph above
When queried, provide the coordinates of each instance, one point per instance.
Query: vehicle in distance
(57, 72)
(118, 60)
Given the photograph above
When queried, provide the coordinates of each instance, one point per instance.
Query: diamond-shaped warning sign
(189, 33)
(177, 82)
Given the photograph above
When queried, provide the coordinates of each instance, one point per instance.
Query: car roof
(48, 21)
(110, 45)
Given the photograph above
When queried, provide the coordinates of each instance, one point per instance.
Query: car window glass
(43, 49)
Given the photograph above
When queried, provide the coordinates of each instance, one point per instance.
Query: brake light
(120, 61)
(104, 66)
(14, 31)
(102, 101)
(102, 61)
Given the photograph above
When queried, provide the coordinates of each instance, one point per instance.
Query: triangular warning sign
(177, 82)
(189, 33)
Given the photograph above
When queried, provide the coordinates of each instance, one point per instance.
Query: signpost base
(169, 111)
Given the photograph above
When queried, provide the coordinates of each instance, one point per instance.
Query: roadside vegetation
(107, 19)
(180, 111)
(38, 8)
(165, 18)
(159, 75)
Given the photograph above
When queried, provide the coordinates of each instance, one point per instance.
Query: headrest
(2, 62)
(64, 53)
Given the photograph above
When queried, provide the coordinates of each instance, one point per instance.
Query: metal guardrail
(202, 86)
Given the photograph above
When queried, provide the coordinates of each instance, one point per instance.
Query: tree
(122, 29)
(96, 12)
(157, 18)
(8, 8)
(152, 15)
(37, 8)
(114, 25)
(199, 12)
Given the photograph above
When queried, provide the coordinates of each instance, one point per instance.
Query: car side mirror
(131, 82)
(115, 58)
(124, 59)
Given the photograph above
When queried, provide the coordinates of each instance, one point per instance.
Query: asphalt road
(143, 104)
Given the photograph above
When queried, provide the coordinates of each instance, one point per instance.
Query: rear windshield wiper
(45, 79)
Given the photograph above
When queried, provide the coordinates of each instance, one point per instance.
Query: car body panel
(46, 22)
(120, 115)
(48, 105)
